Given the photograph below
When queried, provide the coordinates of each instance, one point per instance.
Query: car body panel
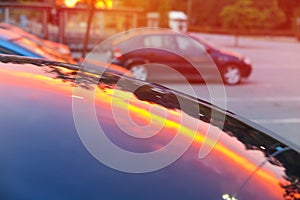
(43, 156)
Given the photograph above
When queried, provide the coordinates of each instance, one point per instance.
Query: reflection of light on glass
(71, 3)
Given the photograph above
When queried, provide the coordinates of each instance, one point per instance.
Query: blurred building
(65, 21)
(178, 20)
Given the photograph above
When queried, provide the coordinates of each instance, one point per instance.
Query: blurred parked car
(45, 44)
(48, 146)
(15, 44)
(186, 54)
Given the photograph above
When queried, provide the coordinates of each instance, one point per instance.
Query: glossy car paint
(42, 156)
(15, 44)
(47, 44)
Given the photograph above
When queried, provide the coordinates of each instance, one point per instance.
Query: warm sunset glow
(104, 4)
(139, 109)
(71, 3)
(36, 81)
(98, 3)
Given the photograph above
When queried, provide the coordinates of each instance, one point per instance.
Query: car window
(169, 42)
(153, 41)
(187, 44)
(129, 44)
(160, 41)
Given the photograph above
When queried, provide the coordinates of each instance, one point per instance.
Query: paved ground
(271, 96)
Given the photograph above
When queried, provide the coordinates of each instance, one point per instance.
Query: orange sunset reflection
(101, 4)
(228, 150)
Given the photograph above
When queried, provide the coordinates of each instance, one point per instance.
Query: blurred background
(266, 31)
(66, 21)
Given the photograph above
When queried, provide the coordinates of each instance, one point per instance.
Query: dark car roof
(44, 154)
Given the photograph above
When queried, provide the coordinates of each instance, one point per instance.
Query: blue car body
(43, 155)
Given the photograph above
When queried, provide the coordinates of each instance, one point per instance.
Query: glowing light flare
(104, 4)
(71, 3)
(100, 4)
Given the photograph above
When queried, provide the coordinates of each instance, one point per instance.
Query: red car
(156, 55)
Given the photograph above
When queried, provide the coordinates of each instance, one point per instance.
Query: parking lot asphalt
(271, 95)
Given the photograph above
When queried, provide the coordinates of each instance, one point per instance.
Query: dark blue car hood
(42, 156)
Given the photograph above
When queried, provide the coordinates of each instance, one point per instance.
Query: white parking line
(277, 121)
